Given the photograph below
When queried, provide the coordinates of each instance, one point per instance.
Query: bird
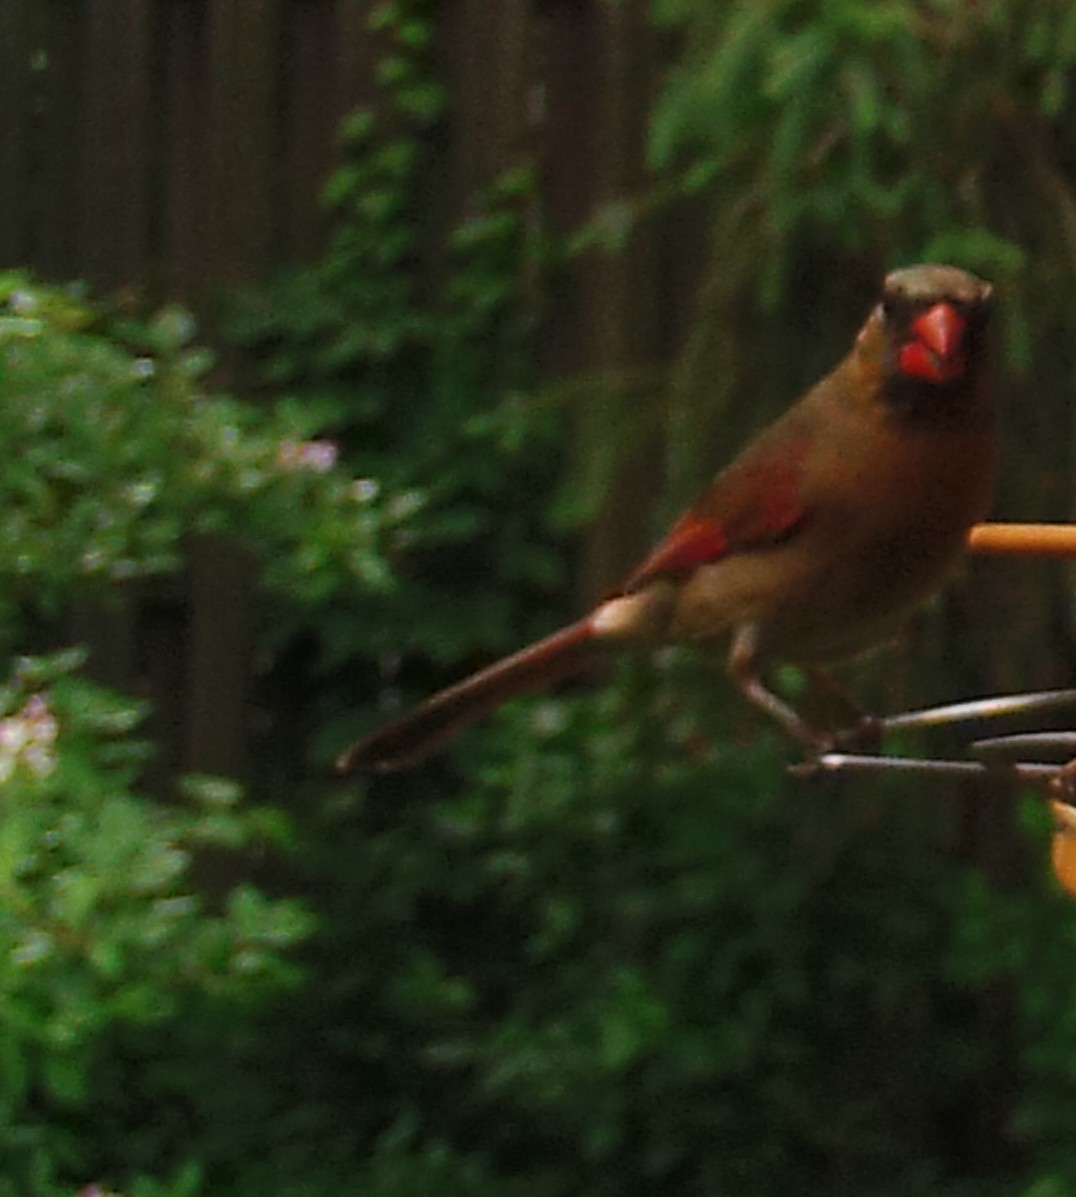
(831, 525)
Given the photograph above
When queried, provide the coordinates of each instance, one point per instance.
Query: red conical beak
(936, 352)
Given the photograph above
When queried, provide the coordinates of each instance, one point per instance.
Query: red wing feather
(776, 506)
(693, 541)
(756, 501)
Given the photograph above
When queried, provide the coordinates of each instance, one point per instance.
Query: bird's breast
(886, 512)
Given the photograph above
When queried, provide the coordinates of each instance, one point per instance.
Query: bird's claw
(863, 736)
(811, 766)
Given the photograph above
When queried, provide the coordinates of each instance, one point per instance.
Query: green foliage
(639, 959)
(412, 340)
(822, 109)
(102, 931)
(835, 140)
(117, 458)
(118, 975)
(114, 457)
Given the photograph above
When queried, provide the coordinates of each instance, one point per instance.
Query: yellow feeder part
(1063, 852)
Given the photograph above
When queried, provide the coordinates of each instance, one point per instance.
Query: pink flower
(319, 456)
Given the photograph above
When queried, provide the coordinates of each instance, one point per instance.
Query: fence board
(512, 82)
(219, 657)
(470, 36)
(309, 126)
(569, 98)
(162, 677)
(353, 59)
(617, 292)
(56, 190)
(117, 145)
(186, 263)
(16, 48)
(242, 146)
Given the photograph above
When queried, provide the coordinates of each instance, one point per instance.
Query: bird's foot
(863, 736)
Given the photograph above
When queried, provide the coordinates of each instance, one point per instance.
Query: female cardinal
(829, 526)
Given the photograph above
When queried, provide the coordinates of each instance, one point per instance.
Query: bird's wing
(756, 501)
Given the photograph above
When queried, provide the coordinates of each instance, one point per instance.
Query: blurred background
(349, 344)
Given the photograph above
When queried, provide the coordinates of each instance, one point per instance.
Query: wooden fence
(182, 144)
(174, 144)
(178, 148)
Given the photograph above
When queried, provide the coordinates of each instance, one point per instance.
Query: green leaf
(795, 64)
(65, 1077)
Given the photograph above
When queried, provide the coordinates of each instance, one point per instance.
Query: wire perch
(996, 755)
(1050, 769)
(1044, 762)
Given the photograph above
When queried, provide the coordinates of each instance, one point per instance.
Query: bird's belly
(878, 534)
(825, 598)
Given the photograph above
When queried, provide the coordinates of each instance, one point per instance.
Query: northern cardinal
(828, 527)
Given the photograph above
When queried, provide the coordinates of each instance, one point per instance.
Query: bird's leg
(743, 667)
(856, 731)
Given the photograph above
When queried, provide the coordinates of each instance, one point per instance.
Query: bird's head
(932, 321)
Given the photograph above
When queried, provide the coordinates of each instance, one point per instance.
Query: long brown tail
(407, 740)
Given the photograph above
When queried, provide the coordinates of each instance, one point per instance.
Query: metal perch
(1042, 761)
(1052, 769)
(994, 755)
